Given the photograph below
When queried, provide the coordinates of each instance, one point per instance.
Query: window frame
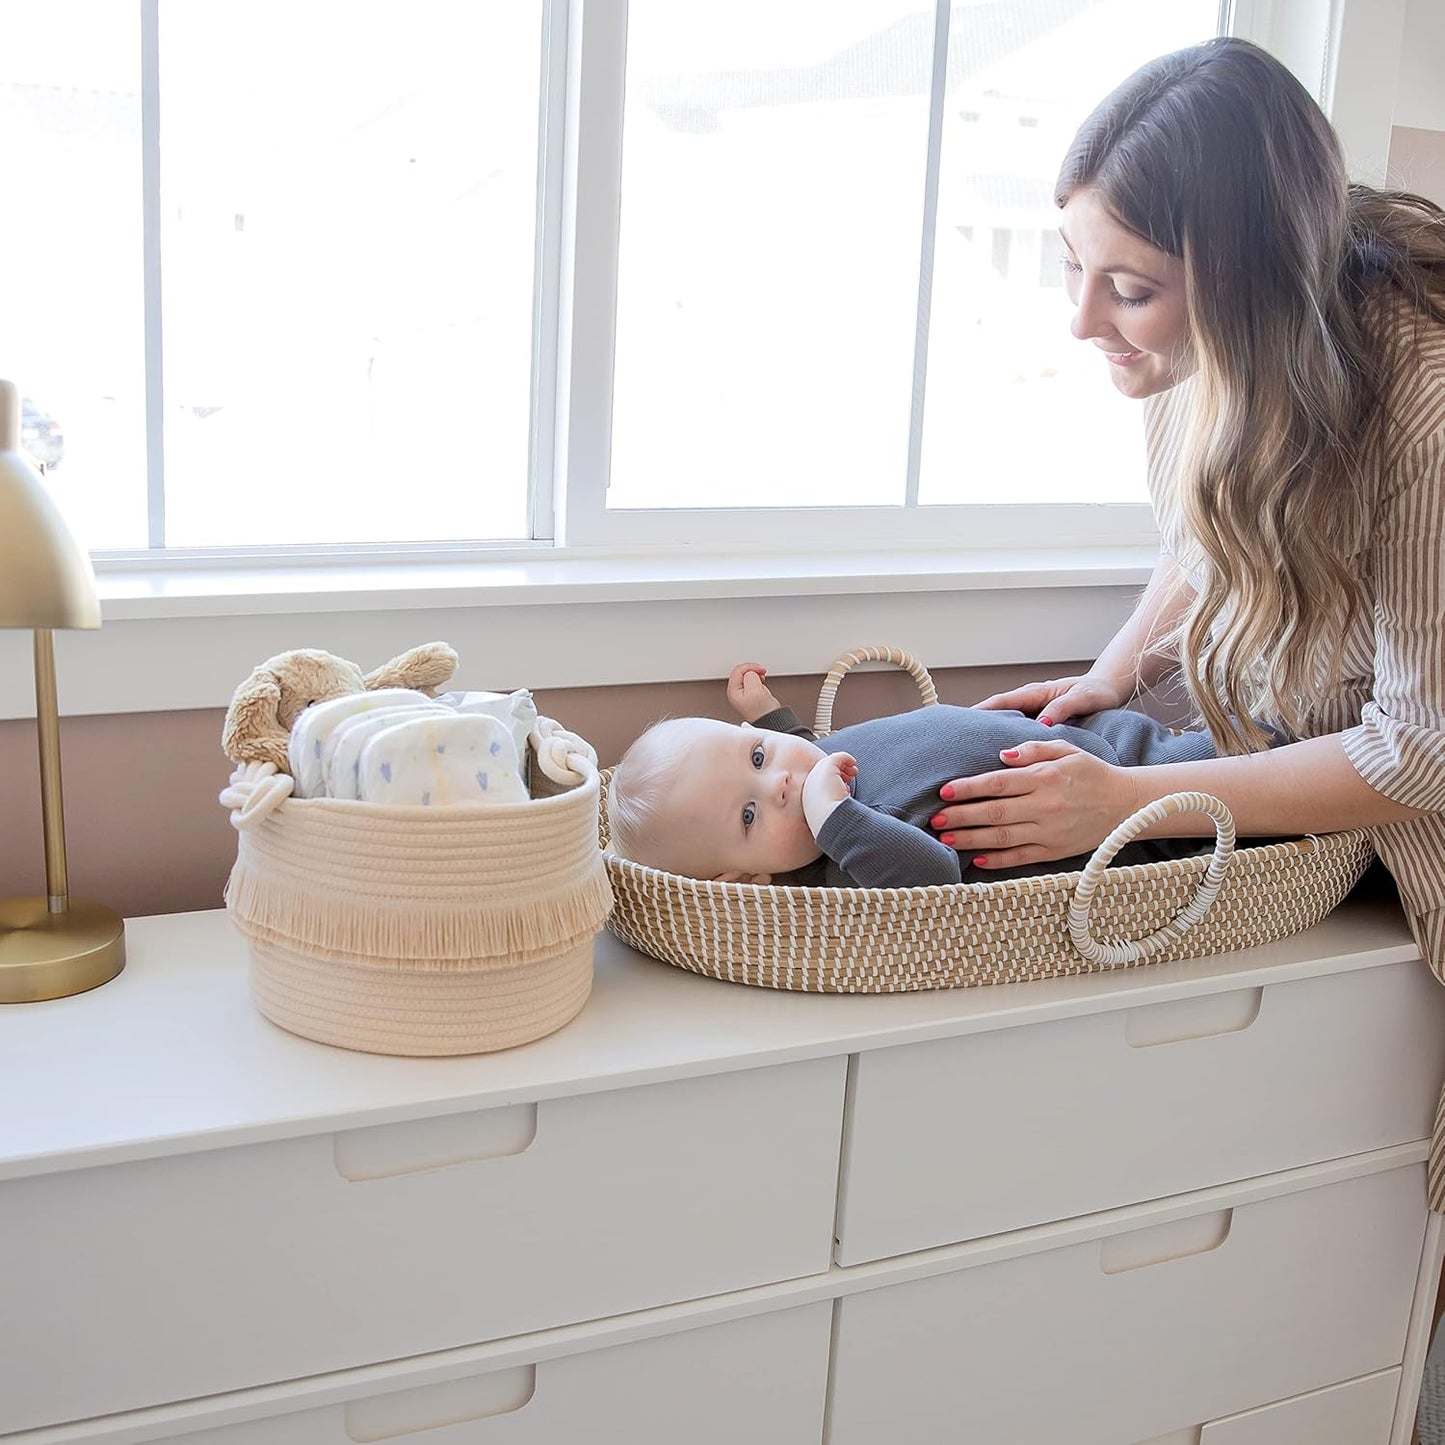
(587, 344)
(181, 627)
(580, 140)
(1308, 35)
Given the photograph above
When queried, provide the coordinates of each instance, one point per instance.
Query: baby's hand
(826, 786)
(747, 692)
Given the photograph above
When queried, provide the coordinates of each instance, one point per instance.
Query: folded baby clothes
(433, 761)
(516, 709)
(309, 731)
(341, 748)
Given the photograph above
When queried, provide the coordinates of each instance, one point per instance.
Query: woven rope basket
(892, 940)
(423, 931)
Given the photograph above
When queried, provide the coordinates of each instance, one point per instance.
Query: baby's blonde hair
(639, 786)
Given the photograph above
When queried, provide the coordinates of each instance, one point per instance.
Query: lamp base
(53, 955)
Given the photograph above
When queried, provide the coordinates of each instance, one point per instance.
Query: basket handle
(823, 718)
(1111, 954)
(564, 757)
(254, 792)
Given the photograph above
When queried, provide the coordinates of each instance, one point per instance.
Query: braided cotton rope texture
(892, 940)
(413, 930)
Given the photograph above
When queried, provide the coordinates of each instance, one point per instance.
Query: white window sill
(183, 635)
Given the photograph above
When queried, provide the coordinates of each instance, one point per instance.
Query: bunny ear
(252, 732)
(424, 669)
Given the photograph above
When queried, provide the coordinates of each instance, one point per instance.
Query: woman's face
(1128, 298)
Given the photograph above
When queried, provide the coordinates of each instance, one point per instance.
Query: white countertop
(172, 1057)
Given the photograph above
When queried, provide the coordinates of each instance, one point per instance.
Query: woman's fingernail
(979, 862)
(946, 839)
(1048, 722)
(1009, 753)
(938, 821)
(946, 791)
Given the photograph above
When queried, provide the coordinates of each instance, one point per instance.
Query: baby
(710, 799)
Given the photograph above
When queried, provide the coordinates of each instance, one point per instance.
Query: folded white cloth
(518, 710)
(434, 761)
(310, 730)
(341, 748)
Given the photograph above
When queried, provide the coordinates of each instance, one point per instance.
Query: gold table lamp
(51, 946)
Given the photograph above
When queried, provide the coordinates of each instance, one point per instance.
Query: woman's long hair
(1295, 282)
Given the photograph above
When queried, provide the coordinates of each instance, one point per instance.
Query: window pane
(348, 201)
(71, 322)
(772, 202)
(1013, 401)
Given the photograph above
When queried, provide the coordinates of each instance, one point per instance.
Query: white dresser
(1180, 1205)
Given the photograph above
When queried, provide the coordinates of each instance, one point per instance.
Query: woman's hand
(748, 694)
(1051, 800)
(1062, 697)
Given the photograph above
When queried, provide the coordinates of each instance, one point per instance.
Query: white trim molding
(179, 640)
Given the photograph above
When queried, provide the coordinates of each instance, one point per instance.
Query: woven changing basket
(420, 930)
(887, 940)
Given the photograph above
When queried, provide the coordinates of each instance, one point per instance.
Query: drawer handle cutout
(1189, 1435)
(385, 1151)
(1192, 1018)
(453, 1402)
(1179, 1239)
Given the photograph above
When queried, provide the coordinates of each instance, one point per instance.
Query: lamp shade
(45, 579)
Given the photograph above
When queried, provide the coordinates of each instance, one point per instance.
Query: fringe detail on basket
(417, 935)
(429, 1012)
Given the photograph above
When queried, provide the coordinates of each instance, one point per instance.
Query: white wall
(1420, 99)
(1366, 43)
(1417, 141)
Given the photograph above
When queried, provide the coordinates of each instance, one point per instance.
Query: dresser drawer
(200, 1273)
(965, 1137)
(762, 1380)
(1359, 1412)
(1127, 1338)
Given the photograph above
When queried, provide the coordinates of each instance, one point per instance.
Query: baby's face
(736, 811)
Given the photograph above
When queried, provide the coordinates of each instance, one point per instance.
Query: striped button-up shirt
(1389, 708)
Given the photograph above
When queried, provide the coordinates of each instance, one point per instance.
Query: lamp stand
(52, 947)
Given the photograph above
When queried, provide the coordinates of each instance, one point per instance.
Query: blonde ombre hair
(1297, 286)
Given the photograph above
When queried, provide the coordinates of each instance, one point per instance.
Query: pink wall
(145, 833)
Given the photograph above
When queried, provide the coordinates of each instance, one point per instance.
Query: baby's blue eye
(757, 756)
(750, 812)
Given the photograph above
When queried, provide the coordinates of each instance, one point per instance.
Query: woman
(1287, 332)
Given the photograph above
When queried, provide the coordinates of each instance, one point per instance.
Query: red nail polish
(1048, 722)
(979, 862)
(946, 839)
(946, 791)
(1009, 753)
(938, 821)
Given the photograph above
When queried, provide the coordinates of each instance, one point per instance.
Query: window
(301, 274)
(348, 199)
(836, 285)
(72, 314)
(279, 281)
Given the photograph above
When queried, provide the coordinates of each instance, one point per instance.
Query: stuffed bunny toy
(258, 721)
